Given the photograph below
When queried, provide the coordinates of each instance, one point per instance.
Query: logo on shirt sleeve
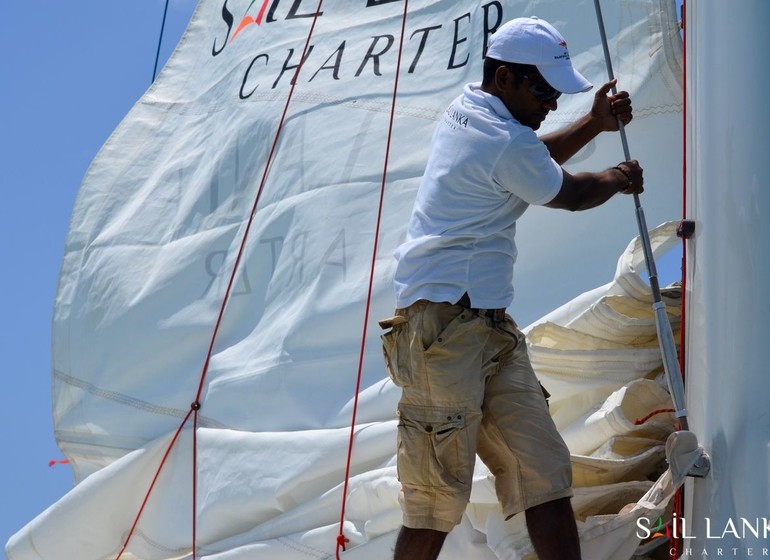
(455, 118)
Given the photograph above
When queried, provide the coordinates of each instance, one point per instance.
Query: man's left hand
(608, 109)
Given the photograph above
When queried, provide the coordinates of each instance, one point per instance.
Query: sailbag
(230, 253)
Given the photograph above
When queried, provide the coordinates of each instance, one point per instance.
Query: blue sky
(70, 72)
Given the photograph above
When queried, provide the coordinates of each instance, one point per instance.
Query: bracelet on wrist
(630, 183)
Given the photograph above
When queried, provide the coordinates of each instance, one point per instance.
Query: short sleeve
(526, 169)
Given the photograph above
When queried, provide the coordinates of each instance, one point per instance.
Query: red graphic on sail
(249, 20)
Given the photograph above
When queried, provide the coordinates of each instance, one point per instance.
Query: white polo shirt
(483, 171)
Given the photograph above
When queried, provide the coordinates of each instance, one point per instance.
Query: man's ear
(503, 77)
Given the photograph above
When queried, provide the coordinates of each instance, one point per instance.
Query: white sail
(164, 213)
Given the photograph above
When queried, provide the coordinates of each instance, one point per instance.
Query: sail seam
(131, 401)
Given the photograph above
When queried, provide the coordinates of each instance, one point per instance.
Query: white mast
(728, 315)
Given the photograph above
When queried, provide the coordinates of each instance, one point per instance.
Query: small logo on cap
(565, 55)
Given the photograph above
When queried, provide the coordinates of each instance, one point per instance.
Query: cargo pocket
(395, 350)
(434, 452)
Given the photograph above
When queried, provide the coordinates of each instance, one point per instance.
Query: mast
(728, 306)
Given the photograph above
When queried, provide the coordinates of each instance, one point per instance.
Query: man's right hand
(632, 176)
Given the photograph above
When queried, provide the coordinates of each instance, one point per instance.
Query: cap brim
(565, 78)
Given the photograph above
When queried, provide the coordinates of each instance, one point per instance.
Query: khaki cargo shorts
(468, 388)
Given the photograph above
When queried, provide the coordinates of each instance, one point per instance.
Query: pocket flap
(436, 420)
(391, 322)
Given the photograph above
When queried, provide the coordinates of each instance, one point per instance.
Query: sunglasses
(541, 90)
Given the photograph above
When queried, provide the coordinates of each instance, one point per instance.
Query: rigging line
(152, 485)
(640, 421)
(257, 198)
(676, 543)
(195, 483)
(160, 40)
(684, 191)
(196, 404)
(341, 540)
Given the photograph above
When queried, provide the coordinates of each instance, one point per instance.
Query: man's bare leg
(418, 544)
(553, 531)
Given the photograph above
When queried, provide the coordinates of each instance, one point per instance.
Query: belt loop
(495, 315)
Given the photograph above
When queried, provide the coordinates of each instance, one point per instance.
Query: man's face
(529, 98)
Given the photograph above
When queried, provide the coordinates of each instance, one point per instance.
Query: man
(468, 386)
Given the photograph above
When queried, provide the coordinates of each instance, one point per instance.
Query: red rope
(152, 485)
(195, 484)
(679, 497)
(196, 405)
(341, 539)
(651, 414)
(684, 194)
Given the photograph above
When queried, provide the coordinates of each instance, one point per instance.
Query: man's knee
(556, 515)
(423, 544)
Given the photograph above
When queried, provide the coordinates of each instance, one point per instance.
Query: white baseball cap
(535, 41)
